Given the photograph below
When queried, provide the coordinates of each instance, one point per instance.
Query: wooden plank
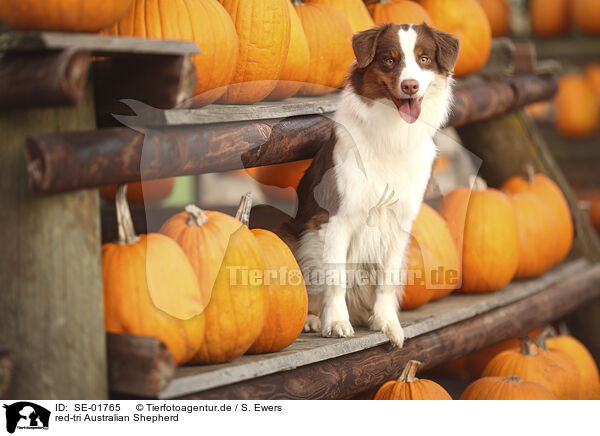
(311, 348)
(351, 374)
(98, 44)
(581, 49)
(7, 363)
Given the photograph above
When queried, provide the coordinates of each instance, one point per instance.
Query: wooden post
(51, 311)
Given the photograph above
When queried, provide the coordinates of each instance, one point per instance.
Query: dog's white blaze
(412, 70)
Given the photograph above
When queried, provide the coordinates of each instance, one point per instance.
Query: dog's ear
(447, 49)
(364, 44)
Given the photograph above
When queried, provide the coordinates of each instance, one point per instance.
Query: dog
(364, 188)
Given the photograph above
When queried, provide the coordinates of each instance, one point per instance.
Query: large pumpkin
(576, 108)
(466, 20)
(297, 63)
(552, 196)
(586, 16)
(203, 21)
(592, 76)
(221, 250)
(419, 265)
(399, 12)
(483, 224)
(149, 191)
(506, 388)
(355, 12)
(565, 361)
(60, 15)
(498, 13)
(329, 38)
(150, 288)
(264, 29)
(549, 17)
(530, 365)
(287, 300)
(408, 387)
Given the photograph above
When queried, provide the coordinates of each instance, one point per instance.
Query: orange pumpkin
(549, 17)
(532, 366)
(149, 191)
(60, 15)
(150, 288)
(281, 176)
(498, 13)
(576, 108)
(592, 197)
(399, 12)
(297, 63)
(221, 250)
(418, 265)
(329, 38)
(264, 29)
(203, 21)
(408, 387)
(483, 225)
(592, 76)
(466, 20)
(355, 12)
(586, 16)
(565, 361)
(552, 196)
(506, 388)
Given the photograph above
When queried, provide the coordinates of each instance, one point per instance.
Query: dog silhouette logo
(26, 415)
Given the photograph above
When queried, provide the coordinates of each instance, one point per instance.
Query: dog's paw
(391, 328)
(337, 329)
(312, 324)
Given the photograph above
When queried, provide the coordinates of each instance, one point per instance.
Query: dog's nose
(410, 86)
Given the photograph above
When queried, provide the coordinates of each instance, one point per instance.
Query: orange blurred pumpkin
(150, 288)
(60, 15)
(418, 265)
(586, 16)
(592, 76)
(549, 17)
(149, 191)
(218, 247)
(576, 108)
(399, 12)
(281, 176)
(204, 22)
(466, 20)
(355, 12)
(563, 360)
(408, 387)
(506, 388)
(297, 63)
(329, 38)
(498, 13)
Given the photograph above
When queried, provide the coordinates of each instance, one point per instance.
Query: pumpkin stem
(477, 183)
(548, 332)
(528, 347)
(563, 329)
(196, 216)
(530, 173)
(125, 223)
(409, 371)
(297, 2)
(513, 378)
(243, 212)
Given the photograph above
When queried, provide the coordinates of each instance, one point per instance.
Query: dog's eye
(424, 59)
(389, 62)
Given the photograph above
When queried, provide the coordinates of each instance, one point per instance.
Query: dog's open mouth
(409, 108)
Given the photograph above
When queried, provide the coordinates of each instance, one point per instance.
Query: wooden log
(43, 79)
(354, 373)
(139, 365)
(51, 310)
(6, 368)
(66, 161)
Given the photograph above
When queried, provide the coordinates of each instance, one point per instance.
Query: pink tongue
(410, 109)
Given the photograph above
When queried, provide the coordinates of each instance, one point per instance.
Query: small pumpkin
(466, 20)
(58, 15)
(287, 300)
(408, 387)
(355, 12)
(220, 249)
(418, 266)
(482, 223)
(549, 17)
(576, 108)
(150, 288)
(286, 175)
(552, 196)
(264, 30)
(329, 38)
(399, 12)
(498, 12)
(506, 388)
(146, 192)
(586, 16)
(532, 366)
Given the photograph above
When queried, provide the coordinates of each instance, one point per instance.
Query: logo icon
(26, 415)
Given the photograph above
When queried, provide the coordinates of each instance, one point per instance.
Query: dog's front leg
(335, 320)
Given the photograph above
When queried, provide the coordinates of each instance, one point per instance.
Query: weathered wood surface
(7, 363)
(98, 44)
(54, 78)
(63, 162)
(310, 348)
(581, 49)
(51, 311)
(139, 365)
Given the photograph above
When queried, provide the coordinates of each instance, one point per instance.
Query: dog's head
(400, 62)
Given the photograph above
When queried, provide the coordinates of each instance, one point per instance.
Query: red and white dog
(358, 200)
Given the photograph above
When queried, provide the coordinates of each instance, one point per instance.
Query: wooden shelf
(270, 375)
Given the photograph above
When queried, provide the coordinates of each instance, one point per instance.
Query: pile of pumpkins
(555, 367)
(253, 50)
(552, 18)
(205, 285)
